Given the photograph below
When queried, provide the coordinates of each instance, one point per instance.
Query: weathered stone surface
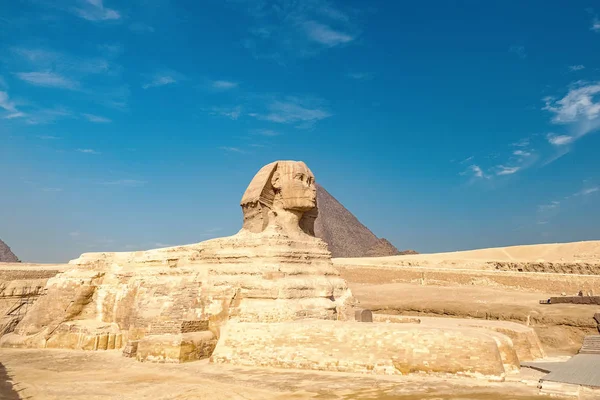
(176, 348)
(378, 348)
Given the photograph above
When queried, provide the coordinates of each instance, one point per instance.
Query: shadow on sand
(7, 390)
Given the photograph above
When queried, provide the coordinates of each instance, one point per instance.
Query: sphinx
(172, 302)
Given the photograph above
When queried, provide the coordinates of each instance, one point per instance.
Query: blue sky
(442, 126)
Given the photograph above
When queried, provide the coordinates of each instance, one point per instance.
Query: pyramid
(6, 255)
(344, 233)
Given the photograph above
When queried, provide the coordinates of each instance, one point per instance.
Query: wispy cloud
(47, 115)
(559, 140)
(504, 170)
(94, 10)
(51, 189)
(522, 142)
(577, 104)
(228, 112)
(518, 50)
(521, 153)
(595, 24)
(224, 85)
(588, 191)
(96, 118)
(576, 67)
(297, 29)
(232, 149)
(48, 79)
(87, 151)
(325, 35)
(265, 132)
(7, 104)
(579, 110)
(294, 110)
(477, 171)
(550, 206)
(163, 79)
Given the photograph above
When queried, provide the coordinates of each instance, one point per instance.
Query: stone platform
(371, 348)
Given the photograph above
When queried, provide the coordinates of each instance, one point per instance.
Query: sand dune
(588, 252)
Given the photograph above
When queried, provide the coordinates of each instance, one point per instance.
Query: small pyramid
(6, 255)
(344, 233)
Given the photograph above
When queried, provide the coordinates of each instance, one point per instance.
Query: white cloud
(548, 207)
(285, 30)
(51, 189)
(232, 113)
(6, 104)
(595, 25)
(48, 79)
(224, 85)
(160, 80)
(576, 67)
(94, 10)
(559, 140)
(521, 153)
(47, 116)
(325, 35)
(522, 143)
(504, 170)
(477, 171)
(88, 151)
(294, 110)
(15, 115)
(518, 50)
(591, 190)
(577, 104)
(96, 118)
(74, 234)
(232, 149)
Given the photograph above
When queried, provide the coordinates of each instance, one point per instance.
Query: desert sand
(587, 252)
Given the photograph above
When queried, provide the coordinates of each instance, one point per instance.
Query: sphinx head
(281, 188)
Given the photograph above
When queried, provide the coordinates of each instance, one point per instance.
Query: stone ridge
(345, 235)
(6, 255)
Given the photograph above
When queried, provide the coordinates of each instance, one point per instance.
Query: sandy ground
(588, 251)
(67, 374)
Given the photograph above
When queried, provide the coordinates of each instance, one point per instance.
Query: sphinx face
(296, 184)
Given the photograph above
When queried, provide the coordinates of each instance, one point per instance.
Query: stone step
(591, 345)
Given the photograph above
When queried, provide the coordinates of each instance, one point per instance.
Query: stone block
(363, 315)
(177, 348)
(376, 348)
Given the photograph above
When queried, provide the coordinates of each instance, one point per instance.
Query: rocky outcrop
(345, 235)
(6, 255)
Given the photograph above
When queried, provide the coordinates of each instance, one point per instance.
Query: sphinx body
(272, 270)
